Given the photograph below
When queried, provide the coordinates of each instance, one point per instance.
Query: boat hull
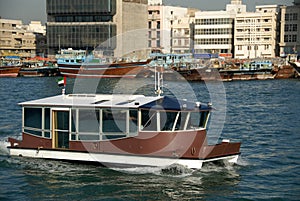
(146, 149)
(39, 72)
(11, 71)
(116, 160)
(130, 70)
(207, 74)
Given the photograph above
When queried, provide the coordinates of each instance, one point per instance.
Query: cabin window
(33, 117)
(73, 120)
(197, 120)
(167, 121)
(47, 118)
(172, 120)
(149, 120)
(89, 121)
(47, 122)
(62, 120)
(160, 120)
(114, 121)
(119, 123)
(37, 121)
(103, 124)
(88, 124)
(133, 122)
(33, 121)
(84, 124)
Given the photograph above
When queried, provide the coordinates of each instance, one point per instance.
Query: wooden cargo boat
(44, 71)
(9, 71)
(75, 63)
(10, 66)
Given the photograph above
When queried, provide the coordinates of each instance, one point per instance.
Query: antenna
(158, 76)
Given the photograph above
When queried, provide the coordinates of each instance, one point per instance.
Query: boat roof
(117, 101)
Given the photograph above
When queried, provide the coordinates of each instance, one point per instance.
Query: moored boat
(184, 67)
(9, 71)
(10, 66)
(38, 67)
(296, 66)
(43, 71)
(119, 130)
(76, 63)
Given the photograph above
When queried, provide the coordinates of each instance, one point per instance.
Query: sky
(35, 10)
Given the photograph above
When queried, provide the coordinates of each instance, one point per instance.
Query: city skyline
(35, 10)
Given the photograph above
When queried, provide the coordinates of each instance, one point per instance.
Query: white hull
(115, 160)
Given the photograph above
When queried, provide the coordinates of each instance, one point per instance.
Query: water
(263, 115)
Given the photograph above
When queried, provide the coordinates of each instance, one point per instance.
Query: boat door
(60, 128)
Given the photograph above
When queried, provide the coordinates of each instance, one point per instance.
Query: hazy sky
(27, 10)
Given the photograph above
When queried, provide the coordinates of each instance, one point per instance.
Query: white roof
(93, 100)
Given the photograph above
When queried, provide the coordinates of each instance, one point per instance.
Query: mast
(158, 77)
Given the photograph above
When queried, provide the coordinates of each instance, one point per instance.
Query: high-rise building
(90, 24)
(290, 29)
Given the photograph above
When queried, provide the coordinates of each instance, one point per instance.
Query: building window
(214, 21)
(158, 43)
(149, 25)
(214, 41)
(290, 27)
(290, 38)
(158, 25)
(291, 16)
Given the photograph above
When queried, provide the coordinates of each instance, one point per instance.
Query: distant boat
(38, 67)
(76, 63)
(9, 71)
(43, 71)
(254, 70)
(296, 66)
(10, 66)
(184, 67)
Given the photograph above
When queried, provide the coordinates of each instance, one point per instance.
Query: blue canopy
(169, 103)
(12, 57)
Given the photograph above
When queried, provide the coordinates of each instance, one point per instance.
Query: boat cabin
(166, 60)
(258, 65)
(91, 117)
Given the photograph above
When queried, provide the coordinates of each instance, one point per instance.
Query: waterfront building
(238, 33)
(111, 25)
(290, 29)
(214, 30)
(17, 39)
(161, 21)
(255, 33)
(182, 33)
